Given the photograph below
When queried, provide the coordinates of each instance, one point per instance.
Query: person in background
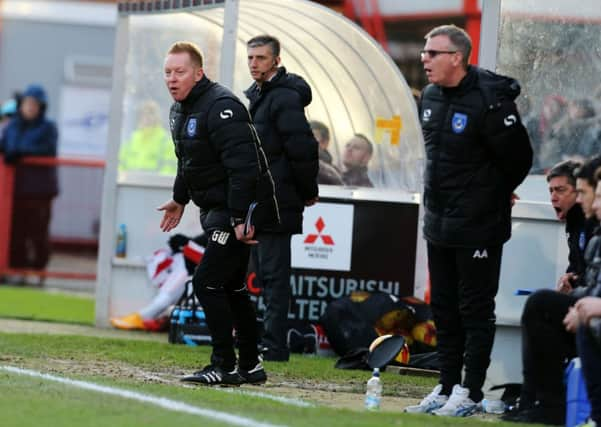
(169, 271)
(150, 148)
(357, 154)
(220, 164)
(277, 103)
(553, 113)
(545, 343)
(328, 173)
(584, 319)
(562, 189)
(30, 133)
(531, 122)
(7, 111)
(577, 134)
(322, 136)
(477, 153)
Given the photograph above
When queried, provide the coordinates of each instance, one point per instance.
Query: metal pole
(228, 43)
(489, 34)
(109, 192)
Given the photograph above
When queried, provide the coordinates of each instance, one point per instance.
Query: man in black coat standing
(277, 102)
(477, 153)
(219, 166)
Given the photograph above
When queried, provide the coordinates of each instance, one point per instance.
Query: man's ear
(199, 73)
(458, 59)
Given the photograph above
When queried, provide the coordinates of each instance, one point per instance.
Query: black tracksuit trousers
(546, 345)
(590, 355)
(219, 285)
(272, 262)
(464, 283)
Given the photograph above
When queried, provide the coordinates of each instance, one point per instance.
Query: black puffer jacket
(37, 137)
(592, 275)
(220, 160)
(277, 109)
(477, 153)
(579, 231)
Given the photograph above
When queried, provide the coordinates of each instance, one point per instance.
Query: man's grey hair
(458, 37)
(266, 39)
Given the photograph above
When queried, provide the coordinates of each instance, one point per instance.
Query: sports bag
(187, 324)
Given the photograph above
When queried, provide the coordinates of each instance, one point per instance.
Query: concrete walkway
(37, 327)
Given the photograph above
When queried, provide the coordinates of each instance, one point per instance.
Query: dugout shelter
(356, 238)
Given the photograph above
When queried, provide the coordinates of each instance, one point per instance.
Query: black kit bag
(346, 325)
(187, 324)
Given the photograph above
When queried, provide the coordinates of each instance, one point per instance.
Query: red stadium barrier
(7, 178)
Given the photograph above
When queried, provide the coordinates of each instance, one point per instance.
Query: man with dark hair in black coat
(477, 153)
(222, 169)
(546, 345)
(562, 189)
(277, 102)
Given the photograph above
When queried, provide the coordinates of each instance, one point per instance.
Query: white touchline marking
(162, 402)
(281, 399)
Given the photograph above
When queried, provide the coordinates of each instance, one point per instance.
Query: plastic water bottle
(121, 247)
(493, 406)
(373, 393)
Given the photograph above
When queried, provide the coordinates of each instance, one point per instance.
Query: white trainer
(429, 403)
(458, 405)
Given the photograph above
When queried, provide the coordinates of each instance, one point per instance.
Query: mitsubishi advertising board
(349, 245)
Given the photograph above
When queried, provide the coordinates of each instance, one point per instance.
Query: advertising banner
(346, 246)
(83, 122)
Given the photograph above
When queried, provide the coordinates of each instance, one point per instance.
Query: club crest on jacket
(191, 127)
(458, 122)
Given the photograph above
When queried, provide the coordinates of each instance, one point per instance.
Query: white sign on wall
(83, 123)
(326, 242)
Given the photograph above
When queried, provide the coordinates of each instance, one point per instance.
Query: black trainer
(516, 410)
(538, 414)
(214, 375)
(255, 375)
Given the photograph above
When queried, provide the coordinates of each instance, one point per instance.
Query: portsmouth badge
(458, 122)
(191, 127)
(427, 113)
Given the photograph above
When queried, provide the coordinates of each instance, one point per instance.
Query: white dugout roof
(356, 87)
